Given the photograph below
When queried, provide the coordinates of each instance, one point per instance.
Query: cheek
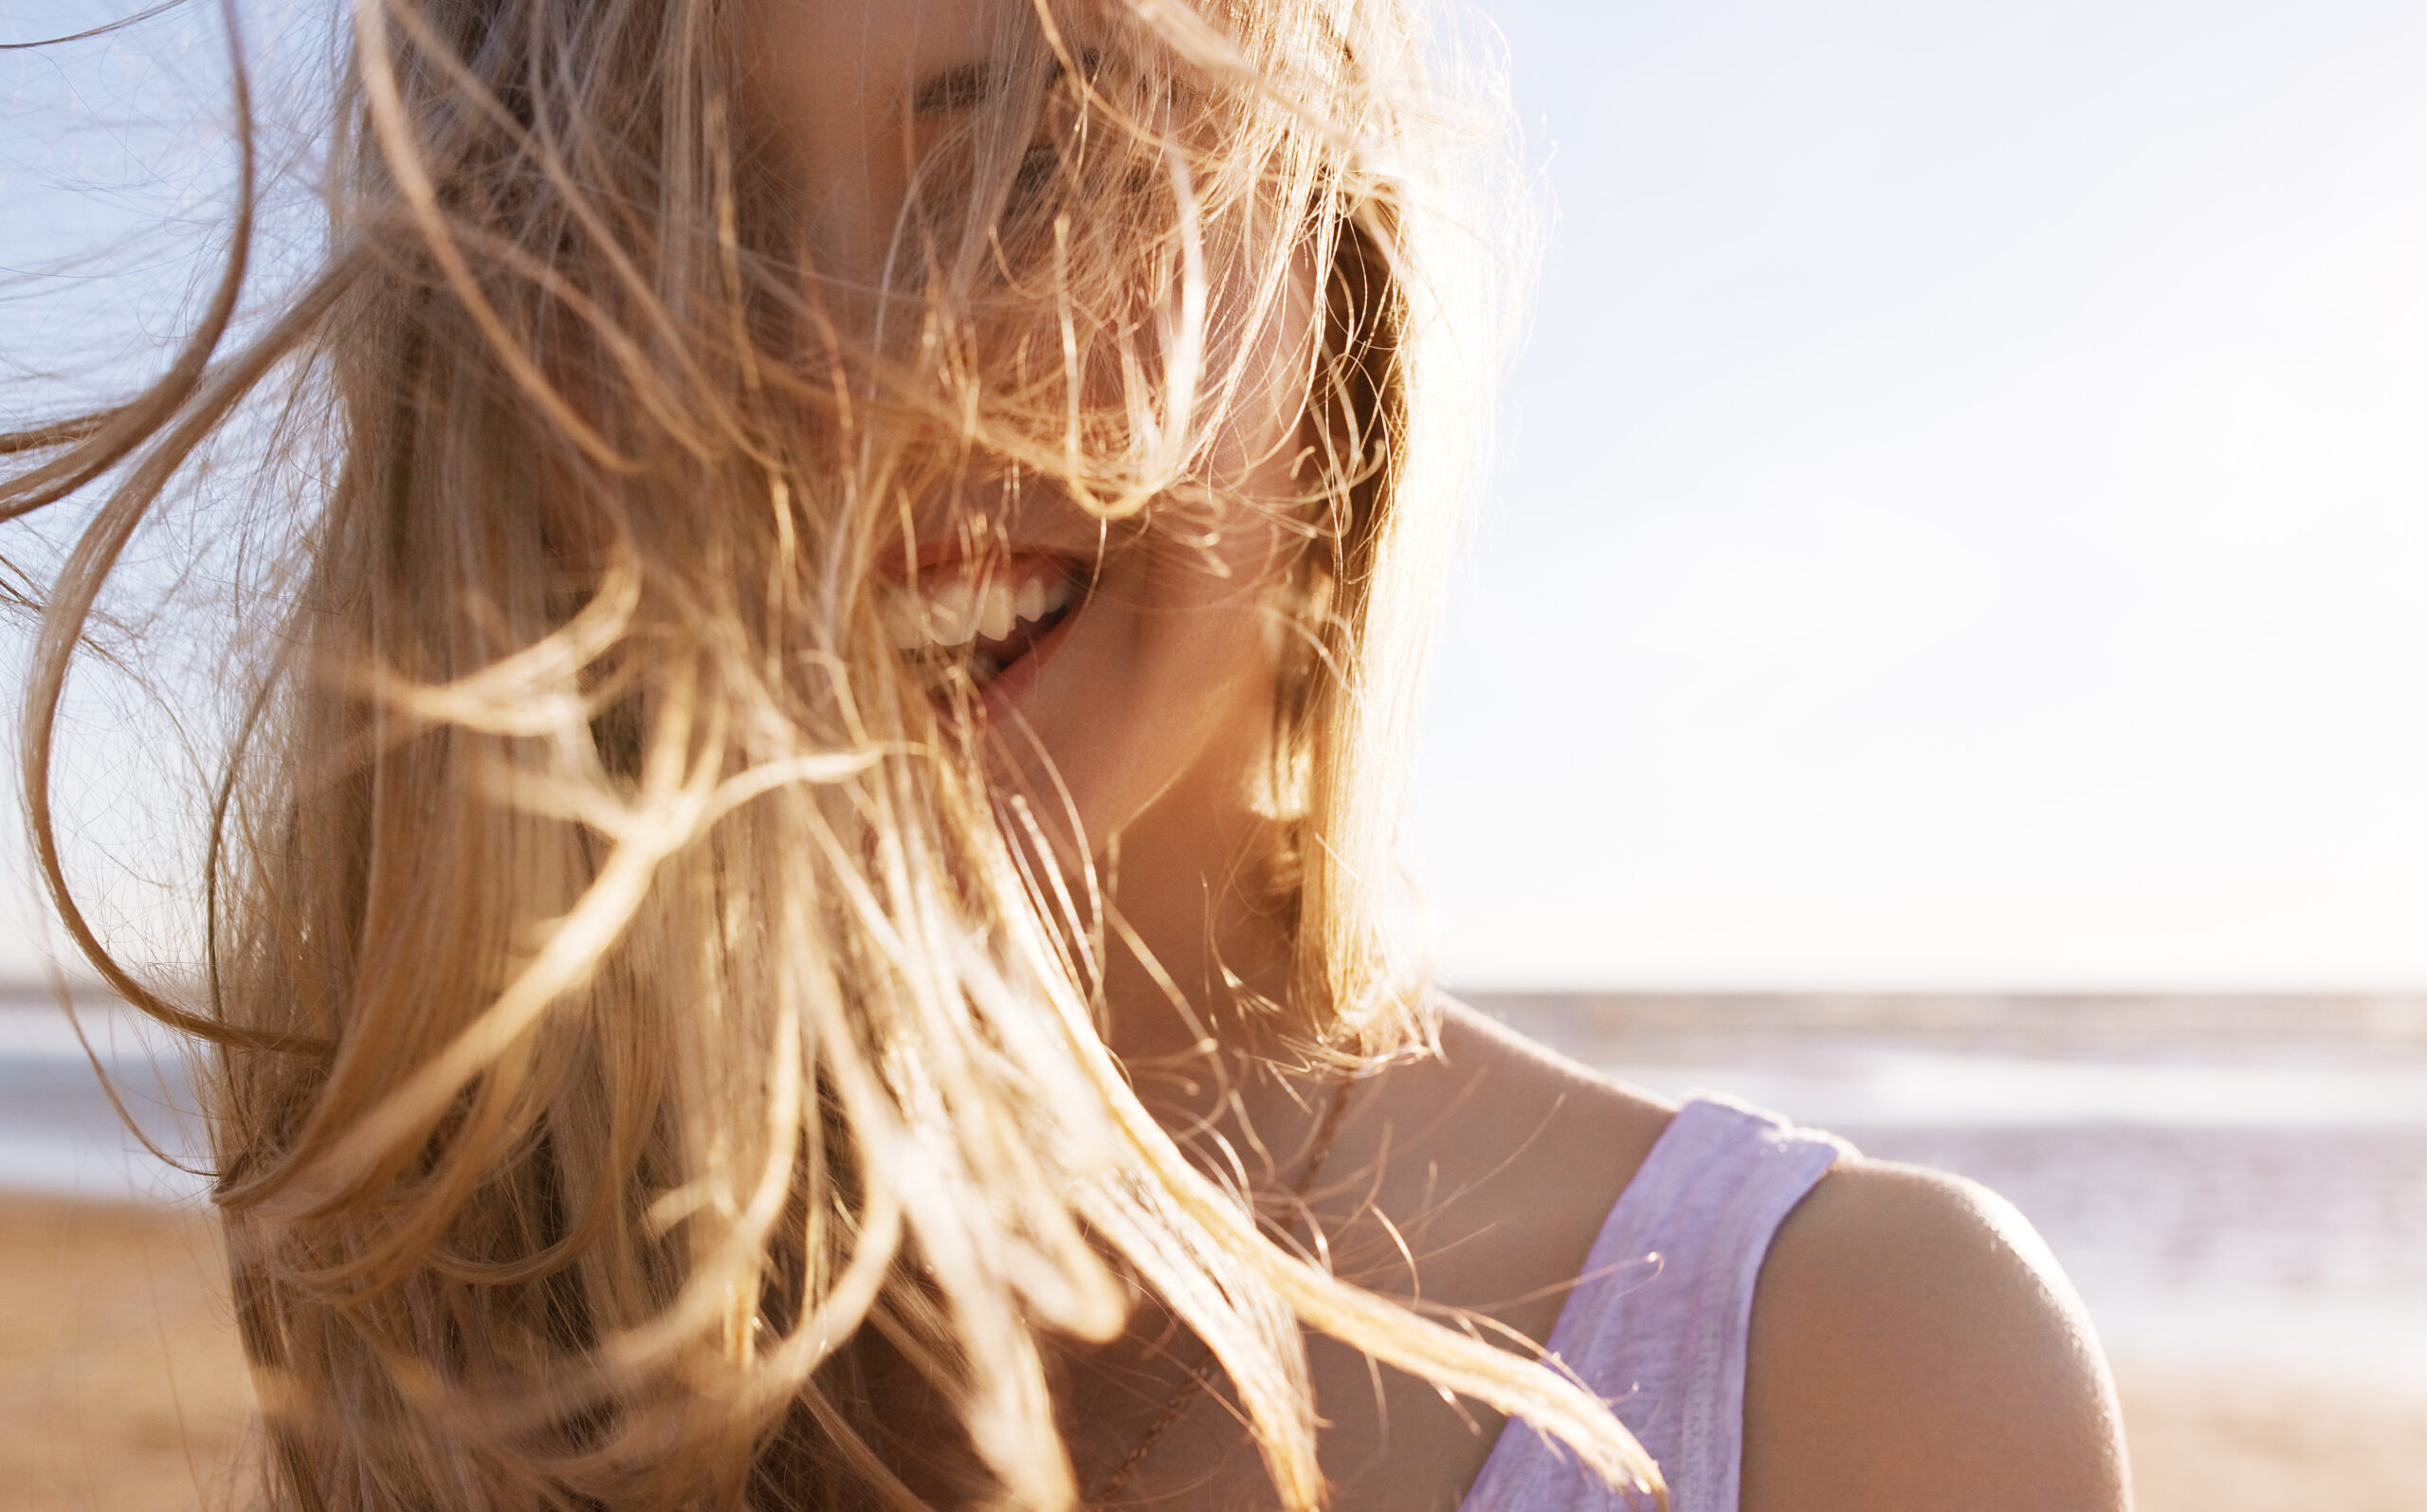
(1166, 688)
(1207, 620)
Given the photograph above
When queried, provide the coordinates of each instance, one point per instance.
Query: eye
(1046, 156)
(1038, 166)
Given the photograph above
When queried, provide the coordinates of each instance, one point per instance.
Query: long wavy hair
(630, 991)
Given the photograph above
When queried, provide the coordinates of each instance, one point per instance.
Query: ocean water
(60, 1132)
(2236, 1185)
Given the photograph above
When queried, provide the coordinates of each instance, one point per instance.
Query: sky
(1961, 510)
(1961, 518)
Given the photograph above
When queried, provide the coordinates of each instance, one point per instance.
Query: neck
(1207, 955)
(1209, 935)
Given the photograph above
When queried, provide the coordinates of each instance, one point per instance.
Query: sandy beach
(123, 1390)
(2210, 1442)
(120, 1381)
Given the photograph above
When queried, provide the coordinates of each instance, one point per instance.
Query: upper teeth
(957, 606)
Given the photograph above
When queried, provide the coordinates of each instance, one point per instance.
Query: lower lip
(1006, 687)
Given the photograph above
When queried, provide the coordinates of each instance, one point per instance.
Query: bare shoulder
(1489, 1167)
(1477, 1179)
(1472, 1042)
(1527, 1104)
(1915, 1346)
(1508, 1153)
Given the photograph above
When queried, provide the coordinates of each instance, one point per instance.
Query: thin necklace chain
(1184, 1396)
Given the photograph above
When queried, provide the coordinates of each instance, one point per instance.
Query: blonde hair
(626, 990)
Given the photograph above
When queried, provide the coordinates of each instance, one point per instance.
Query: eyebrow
(955, 90)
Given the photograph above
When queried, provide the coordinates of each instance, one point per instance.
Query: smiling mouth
(985, 618)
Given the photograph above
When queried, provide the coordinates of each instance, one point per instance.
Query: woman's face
(1149, 698)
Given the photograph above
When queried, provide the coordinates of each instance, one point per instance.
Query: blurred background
(1943, 655)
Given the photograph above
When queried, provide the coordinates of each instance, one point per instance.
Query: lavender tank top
(1657, 1326)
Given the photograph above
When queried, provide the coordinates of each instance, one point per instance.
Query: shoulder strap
(1658, 1322)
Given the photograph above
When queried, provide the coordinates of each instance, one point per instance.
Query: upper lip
(995, 600)
(935, 558)
(1058, 551)
(983, 523)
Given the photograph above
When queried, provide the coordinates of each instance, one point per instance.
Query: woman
(796, 910)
